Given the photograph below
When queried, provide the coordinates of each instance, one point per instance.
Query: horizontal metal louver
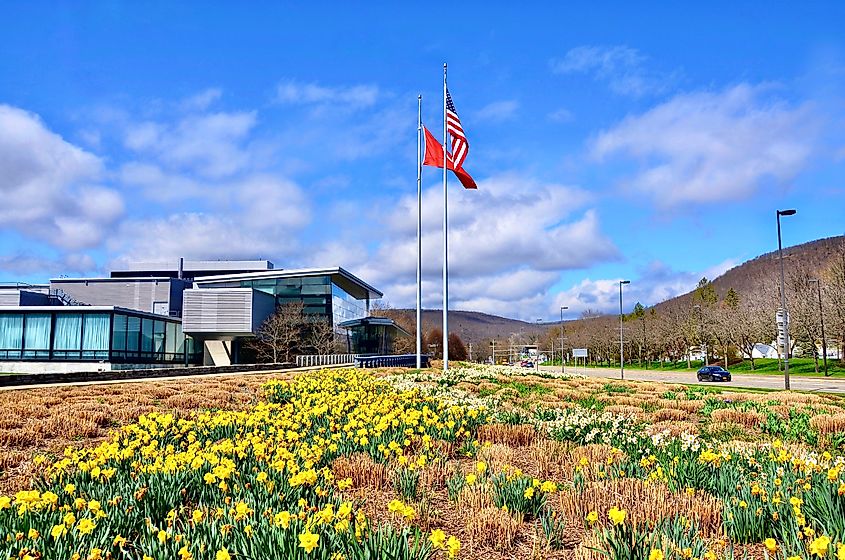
(217, 311)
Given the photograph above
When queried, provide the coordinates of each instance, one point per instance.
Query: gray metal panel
(225, 311)
(131, 294)
(10, 298)
(263, 305)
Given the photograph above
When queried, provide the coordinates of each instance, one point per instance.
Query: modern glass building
(372, 335)
(153, 315)
(91, 334)
(329, 292)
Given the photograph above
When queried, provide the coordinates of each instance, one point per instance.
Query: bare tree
(753, 322)
(281, 334)
(803, 311)
(834, 289)
(321, 335)
(401, 344)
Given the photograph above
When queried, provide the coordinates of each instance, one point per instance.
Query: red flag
(434, 158)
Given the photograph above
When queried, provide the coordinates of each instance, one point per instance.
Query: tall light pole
(821, 318)
(783, 302)
(621, 338)
(562, 366)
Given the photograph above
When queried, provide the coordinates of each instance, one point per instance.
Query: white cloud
(712, 146)
(209, 144)
(48, 186)
(256, 217)
(24, 264)
(621, 67)
(202, 100)
(158, 185)
(655, 283)
(298, 93)
(498, 111)
(508, 242)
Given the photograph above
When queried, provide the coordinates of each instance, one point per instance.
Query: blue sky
(608, 140)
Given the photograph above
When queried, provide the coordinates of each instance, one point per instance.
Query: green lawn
(762, 366)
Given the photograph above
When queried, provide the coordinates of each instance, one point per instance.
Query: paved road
(798, 383)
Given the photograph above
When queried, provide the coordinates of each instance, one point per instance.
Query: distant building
(160, 314)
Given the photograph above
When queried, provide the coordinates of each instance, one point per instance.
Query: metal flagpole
(445, 237)
(419, 231)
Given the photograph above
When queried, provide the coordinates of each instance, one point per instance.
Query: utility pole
(493, 344)
(821, 318)
(783, 303)
(470, 351)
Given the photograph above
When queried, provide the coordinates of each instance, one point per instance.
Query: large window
(68, 334)
(95, 336)
(91, 336)
(37, 336)
(118, 337)
(345, 307)
(313, 292)
(11, 335)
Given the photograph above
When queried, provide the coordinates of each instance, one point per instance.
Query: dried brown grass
(645, 503)
(748, 419)
(669, 414)
(493, 527)
(361, 469)
(828, 424)
(517, 435)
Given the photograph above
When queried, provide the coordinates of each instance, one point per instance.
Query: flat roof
(188, 265)
(108, 279)
(352, 284)
(80, 308)
(363, 321)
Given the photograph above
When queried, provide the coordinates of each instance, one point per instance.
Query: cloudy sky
(610, 141)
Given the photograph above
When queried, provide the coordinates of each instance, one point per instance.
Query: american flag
(460, 146)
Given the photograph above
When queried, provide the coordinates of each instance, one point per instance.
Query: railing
(400, 360)
(64, 298)
(313, 360)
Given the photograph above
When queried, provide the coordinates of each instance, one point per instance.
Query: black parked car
(713, 373)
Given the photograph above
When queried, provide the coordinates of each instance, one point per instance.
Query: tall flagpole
(445, 236)
(419, 231)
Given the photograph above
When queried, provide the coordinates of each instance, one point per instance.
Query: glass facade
(318, 294)
(80, 335)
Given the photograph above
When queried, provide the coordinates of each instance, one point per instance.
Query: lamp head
(624, 281)
(789, 212)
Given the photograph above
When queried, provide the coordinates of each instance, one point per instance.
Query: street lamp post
(562, 364)
(783, 302)
(621, 338)
(821, 318)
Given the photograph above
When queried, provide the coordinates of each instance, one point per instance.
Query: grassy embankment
(762, 366)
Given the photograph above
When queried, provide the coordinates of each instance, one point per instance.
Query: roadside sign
(579, 352)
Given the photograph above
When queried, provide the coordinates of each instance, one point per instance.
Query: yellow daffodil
(308, 541)
(438, 539)
(616, 516)
(819, 546)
